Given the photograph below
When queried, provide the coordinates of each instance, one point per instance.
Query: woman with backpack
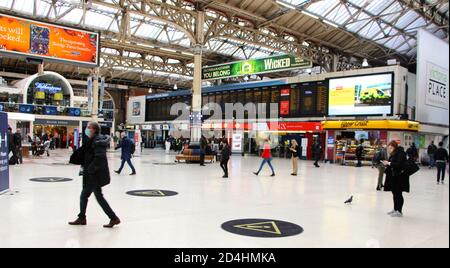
(397, 180)
(128, 149)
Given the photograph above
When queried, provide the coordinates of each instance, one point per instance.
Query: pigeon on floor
(349, 201)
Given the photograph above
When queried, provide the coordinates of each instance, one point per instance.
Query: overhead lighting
(310, 14)
(168, 50)
(286, 4)
(365, 63)
(175, 87)
(150, 90)
(331, 23)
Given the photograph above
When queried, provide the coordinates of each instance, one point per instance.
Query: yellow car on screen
(373, 95)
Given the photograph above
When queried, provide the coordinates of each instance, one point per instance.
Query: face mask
(87, 132)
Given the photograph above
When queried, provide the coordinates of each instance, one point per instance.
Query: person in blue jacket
(128, 149)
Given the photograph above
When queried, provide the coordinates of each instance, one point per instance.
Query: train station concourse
(259, 125)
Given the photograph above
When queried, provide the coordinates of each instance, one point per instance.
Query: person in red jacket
(267, 158)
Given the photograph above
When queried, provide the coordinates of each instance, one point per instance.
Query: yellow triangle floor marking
(261, 227)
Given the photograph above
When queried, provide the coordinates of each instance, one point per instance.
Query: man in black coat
(203, 145)
(92, 157)
(225, 157)
(441, 158)
(359, 153)
(317, 152)
(18, 145)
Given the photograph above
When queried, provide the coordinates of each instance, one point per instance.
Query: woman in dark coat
(92, 157)
(397, 181)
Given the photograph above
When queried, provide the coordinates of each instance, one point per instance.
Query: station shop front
(344, 136)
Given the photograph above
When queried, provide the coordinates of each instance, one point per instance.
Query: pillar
(95, 94)
(41, 69)
(196, 128)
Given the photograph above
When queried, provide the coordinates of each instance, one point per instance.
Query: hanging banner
(89, 91)
(4, 157)
(27, 38)
(256, 66)
(102, 94)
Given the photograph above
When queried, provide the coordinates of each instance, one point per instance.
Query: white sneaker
(392, 212)
(397, 214)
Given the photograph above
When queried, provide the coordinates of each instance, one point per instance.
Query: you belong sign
(255, 66)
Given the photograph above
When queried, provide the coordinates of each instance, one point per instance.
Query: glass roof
(386, 22)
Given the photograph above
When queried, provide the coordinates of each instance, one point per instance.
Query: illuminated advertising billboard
(28, 38)
(361, 95)
(255, 66)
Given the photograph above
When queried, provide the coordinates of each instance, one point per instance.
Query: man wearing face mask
(92, 157)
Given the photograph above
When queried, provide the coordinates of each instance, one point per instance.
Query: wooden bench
(188, 156)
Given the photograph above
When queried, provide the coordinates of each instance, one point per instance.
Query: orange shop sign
(372, 124)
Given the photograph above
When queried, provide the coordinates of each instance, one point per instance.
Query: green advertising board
(255, 66)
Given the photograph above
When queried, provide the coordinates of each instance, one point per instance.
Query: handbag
(411, 168)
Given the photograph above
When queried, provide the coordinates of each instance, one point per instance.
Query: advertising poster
(102, 93)
(284, 107)
(237, 143)
(361, 95)
(437, 90)
(136, 108)
(255, 66)
(4, 157)
(29, 38)
(89, 91)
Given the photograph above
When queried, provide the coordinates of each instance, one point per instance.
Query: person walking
(430, 151)
(225, 157)
(359, 153)
(412, 152)
(18, 145)
(295, 150)
(396, 180)
(267, 158)
(128, 149)
(92, 157)
(441, 157)
(203, 145)
(317, 152)
(380, 156)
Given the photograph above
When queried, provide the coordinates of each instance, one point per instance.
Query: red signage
(299, 126)
(285, 92)
(284, 107)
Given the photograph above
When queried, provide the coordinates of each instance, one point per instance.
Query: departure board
(322, 98)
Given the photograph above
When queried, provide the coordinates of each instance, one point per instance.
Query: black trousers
(440, 171)
(86, 193)
(399, 201)
(224, 166)
(317, 159)
(359, 164)
(202, 158)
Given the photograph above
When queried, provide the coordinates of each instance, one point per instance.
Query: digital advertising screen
(29, 38)
(361, 95)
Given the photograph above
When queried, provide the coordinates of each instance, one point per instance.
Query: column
(41, 69)
(196, 128)
(95, 94)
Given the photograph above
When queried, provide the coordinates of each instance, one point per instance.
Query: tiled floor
(37, 216)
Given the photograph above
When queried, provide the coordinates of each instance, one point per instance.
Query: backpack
(377, 158)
